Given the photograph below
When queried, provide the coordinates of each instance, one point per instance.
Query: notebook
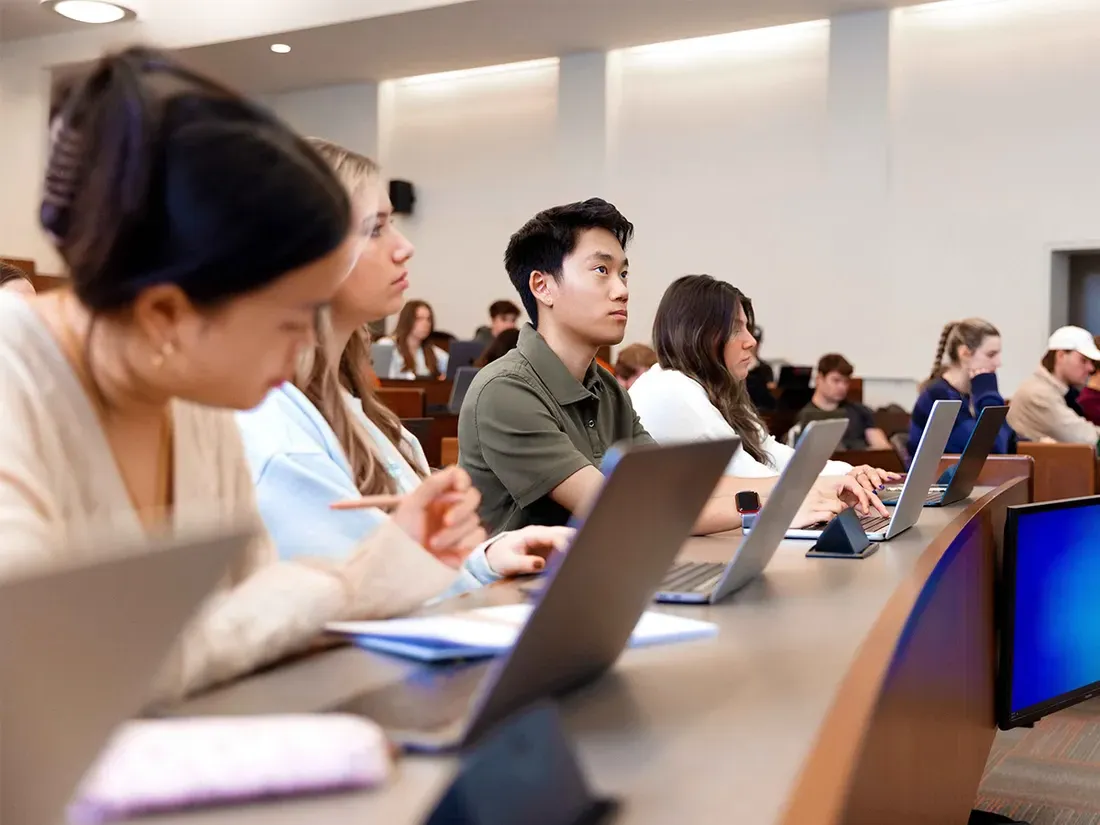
(488, 631)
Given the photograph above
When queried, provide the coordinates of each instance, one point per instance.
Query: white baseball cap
(1074, 339)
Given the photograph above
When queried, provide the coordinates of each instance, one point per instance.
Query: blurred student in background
(830, 400)
(326, 438)
(499, 347)
(964, 369)
(632, 362)
(415, 356)
(1088, 400)
(697, 390)
(761, 377)
(15, 280)
(202, 238)
(503, 316)
(1039, 409)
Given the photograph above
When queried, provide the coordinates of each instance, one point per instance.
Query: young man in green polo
(535, 424)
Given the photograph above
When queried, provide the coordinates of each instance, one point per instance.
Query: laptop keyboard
(873, 523)
(692, 577)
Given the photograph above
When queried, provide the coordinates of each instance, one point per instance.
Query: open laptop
(597, 592)
(922, 473)
(464, 377)
(710, 582)
(80, 647)
(381, 356)
(964, 475)
(462, 354)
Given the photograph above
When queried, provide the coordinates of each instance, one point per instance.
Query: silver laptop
(964, 475)
(382, 353)
(80, 647)
(596, 594)
(710, 582)
(922, 473)
(464, 377)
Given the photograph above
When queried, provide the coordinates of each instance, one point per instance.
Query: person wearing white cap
(1039, 409)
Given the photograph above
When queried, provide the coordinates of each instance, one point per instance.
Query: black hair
(545, 241)
(159, 175)
(499, 309)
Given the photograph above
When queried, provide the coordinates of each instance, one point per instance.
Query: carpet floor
(1050, 774)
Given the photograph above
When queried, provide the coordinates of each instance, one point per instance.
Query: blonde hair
(970, 332)
(323, 372)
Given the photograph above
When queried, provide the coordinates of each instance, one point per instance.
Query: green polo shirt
(527, 425)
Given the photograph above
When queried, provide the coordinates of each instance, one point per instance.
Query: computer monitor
(1049, 610)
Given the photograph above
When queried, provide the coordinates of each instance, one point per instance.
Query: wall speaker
(402, 196)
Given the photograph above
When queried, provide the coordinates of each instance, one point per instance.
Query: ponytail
(941, 348)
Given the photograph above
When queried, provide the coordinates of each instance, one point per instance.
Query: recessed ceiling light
(90, 11)
(280, 48)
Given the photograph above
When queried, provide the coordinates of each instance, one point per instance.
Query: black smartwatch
(748, 505)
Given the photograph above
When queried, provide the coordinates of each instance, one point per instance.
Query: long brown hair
(970, 332)
(324, 372)
(10, 272)
(694, 321)
(406, 320)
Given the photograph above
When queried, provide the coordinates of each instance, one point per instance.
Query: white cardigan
(674, 407)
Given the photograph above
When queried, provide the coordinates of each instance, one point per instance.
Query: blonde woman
(202, 238)
(325, 438)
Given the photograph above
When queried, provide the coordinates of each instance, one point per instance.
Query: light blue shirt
(299, 469)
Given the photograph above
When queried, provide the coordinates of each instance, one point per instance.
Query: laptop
(80, 647)
(462, 354)
(963, 476)
(464, 377)
(710, 582)
(922, 473)
(596, 594)
(382, 353)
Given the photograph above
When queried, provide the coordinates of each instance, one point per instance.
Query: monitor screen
(1050, 629)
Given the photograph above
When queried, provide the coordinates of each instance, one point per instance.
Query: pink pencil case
(171, 764)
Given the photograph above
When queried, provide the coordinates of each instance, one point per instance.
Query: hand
(440, 514)
(851, 493)
(871, 479)
(981, 371)
(522, 552)
(819, 507)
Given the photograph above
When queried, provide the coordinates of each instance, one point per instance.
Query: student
(965, 369)
(761, 377)
(536, 424)
(1039, 409)
(500, 346)
(830, 400)
(202, 238)
(326, 438)
(632, 363)
(15, 280)
(1088, 400)
(697, 390)
(415, 356)
(503, 316)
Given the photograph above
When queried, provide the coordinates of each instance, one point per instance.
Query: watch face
(747, 502)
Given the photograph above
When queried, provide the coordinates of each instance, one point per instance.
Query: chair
(998, 469)
(1061, 470)
(404, 402)
(449, 452)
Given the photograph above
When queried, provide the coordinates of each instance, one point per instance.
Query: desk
(836, 692)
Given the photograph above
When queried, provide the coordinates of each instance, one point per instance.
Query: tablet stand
(843, 538)
(524, 771)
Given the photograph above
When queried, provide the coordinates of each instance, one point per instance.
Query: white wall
(480, 149)
(345, 114)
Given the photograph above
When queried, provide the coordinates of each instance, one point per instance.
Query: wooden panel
(26, 264)
(998, 469)
(855, 391)
(405, 402)
(436, 393)
(449, 452)
(892, 422)
(911, 728)
(882, 459)
(1061, 470)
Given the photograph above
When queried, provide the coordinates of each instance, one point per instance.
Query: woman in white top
(325, 438)
(414, 357)
(705, 349)
(202, 238)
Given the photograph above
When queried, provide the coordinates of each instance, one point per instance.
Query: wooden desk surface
(747, 726)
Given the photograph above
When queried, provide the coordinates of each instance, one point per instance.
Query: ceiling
(489, 32)
(26, 18)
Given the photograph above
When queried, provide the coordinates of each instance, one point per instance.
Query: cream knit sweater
(59, 483)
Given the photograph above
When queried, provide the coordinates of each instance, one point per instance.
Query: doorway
(1075, 289)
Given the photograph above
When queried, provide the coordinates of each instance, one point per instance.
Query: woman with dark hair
(500, 346)
(416, 357)
(15, 280)
(203, 239)
(705, 348)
